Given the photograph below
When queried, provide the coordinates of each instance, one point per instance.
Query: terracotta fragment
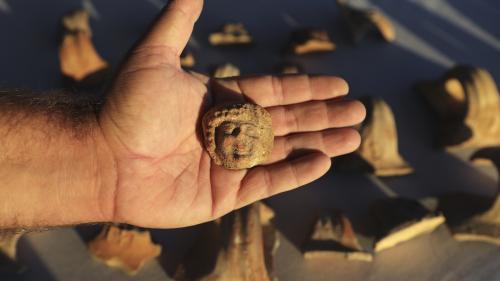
(467, 102)
(78, 57)
(363, 21)
(8, 243)
(125, 249)
(238, 136)
(399, 220)
(270, 236)
(266, 214)
(187, 59)
(77, 21)
(226, 70)
(237, 249)
(307, 41)
(378, 152)
(9, 264)
(231, 34)
(290, 68)
(333, 235)
(473, 217)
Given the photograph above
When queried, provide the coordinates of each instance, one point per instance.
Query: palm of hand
(165, 178)
(161, 163)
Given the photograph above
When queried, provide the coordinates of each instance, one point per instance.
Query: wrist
(53, 176)
(106, 179)
(89, 196)
(85, 193)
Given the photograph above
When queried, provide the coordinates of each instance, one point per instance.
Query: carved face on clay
(236, 140)
(238, 136)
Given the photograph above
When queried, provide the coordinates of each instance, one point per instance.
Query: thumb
(174, 26)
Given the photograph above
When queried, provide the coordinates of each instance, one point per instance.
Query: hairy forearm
(55, 167)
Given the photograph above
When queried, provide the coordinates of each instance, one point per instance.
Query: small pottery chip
(238, 136)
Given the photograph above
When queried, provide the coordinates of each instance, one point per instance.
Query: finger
(224, 183)
(224, 94)
(264, 181)
(289, 89)
(332, 142)
(175, 25)
(316, 116)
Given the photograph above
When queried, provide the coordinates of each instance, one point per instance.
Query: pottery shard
(270, 237)
(77, 21)
(8, 243)
(466, 99)
(378, 151)
(473, 217)
(9, 264)
(399, 220)
(289, 68)
(231, 34)
(77, 55)
(333, 235)
(226, 70)
(363, 21)
(187, 59)
(238, 136)
(239, 248)
(306, 41)
(125, 249)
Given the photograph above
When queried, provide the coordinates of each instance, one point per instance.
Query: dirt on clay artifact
(238, 136)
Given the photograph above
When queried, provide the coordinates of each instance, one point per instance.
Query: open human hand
(151, 122)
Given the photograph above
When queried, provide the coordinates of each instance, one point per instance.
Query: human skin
(140, 159)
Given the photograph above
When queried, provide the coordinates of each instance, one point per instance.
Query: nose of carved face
(235, 141)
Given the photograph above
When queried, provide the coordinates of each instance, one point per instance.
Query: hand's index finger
(174, 26)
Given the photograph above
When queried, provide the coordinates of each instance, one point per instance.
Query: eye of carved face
(238, 136)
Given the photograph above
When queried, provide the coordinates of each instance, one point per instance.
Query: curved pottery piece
(187, 59)
(289, 68)
(400, 220)
(333, 235)
(78, 57)
(239, 248)
(363, 21)
(472, 217)
(125, 249)
(378, 151)
(379, 146)
(77, 21)
(9, 263)
(307, 41)
(226, 70)
(231, 34)
(8, 243)
(238, 136)
(467, 102)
